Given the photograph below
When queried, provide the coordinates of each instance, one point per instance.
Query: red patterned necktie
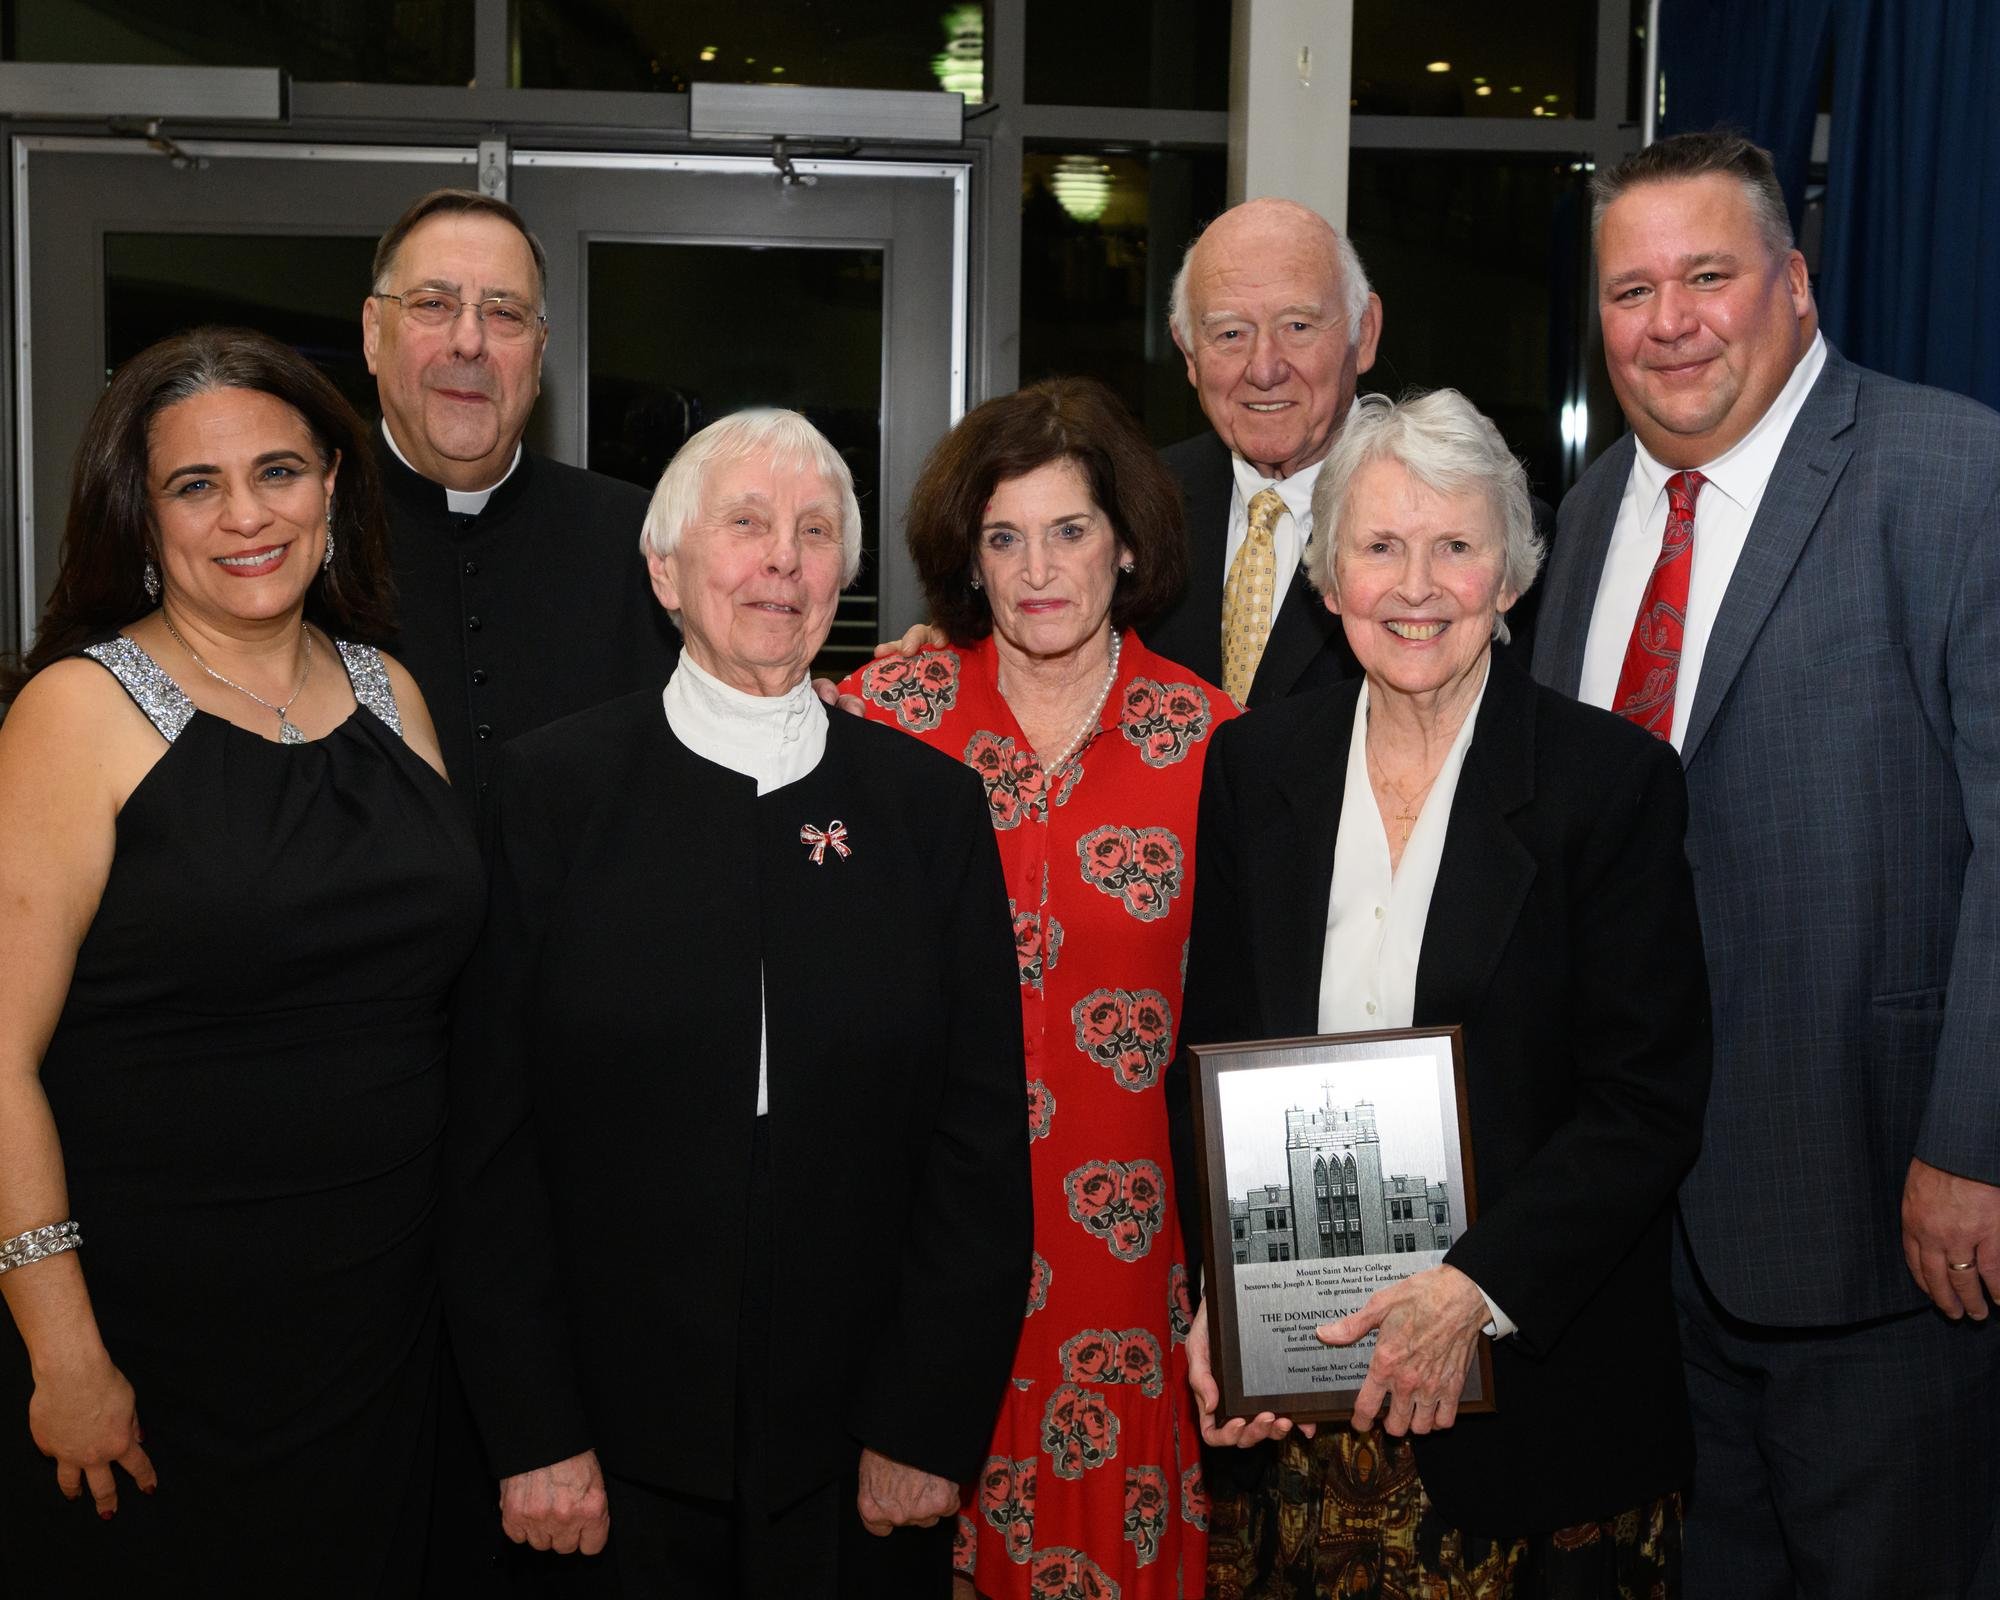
(1653, 656)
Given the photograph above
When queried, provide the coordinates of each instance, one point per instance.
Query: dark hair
(1720, 152)
(453, 203)
(109, 535)
(1061, 419)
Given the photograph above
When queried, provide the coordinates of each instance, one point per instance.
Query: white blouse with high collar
(773, 739)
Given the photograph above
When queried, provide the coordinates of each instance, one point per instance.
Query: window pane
(1471, 58)
(793, 327)
(669, 44)
(1172, 54)
(360, 41)
(305, 291)
(1101, 239)
(1479, 260)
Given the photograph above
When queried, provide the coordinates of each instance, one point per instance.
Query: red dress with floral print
(1092, 1488)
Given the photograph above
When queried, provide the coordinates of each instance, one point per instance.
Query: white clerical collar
(1296, 491)
(461, 502)
(1742, 471)
(776, 739)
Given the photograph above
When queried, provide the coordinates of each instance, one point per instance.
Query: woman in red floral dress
(1043, 528)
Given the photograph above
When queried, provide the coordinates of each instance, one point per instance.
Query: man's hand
(894, 1496)
(1429, 1330)
(1951, 1239)
(1237, 1431)
(560, 1508)
(924, 636)
(829, 692)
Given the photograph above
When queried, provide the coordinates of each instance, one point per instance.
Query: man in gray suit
(1818, 632)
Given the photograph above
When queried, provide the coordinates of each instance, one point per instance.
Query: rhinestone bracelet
(38, 1244)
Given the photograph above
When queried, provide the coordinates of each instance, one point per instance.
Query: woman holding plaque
(1046, 531)
(1445, 843)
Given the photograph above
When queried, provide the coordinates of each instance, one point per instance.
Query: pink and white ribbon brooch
(835, 834)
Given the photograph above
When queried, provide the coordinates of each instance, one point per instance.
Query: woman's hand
(1238, 1431)
(1429, 1327)
(85, 1417)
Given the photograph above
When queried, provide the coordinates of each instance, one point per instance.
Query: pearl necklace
(287, 734)
(1090, 721)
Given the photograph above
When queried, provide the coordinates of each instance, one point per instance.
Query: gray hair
(1354, 287)
(790, 442)
(1442, 441)
(1699, 155)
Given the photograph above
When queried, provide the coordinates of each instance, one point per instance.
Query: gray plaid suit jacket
(1843, 768)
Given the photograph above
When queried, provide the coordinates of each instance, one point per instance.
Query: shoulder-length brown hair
(109, 535)
(1061, 419)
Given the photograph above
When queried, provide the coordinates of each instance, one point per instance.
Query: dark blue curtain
(1912, 225)
(1756, 65)
(1910, 264)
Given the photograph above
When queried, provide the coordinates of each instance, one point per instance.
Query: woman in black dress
(236, 890)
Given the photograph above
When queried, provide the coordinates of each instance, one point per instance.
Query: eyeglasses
(437, 308)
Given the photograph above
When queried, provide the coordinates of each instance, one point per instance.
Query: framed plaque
(1330, 1167)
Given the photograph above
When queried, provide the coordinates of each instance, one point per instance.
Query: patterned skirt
(1345, 1517)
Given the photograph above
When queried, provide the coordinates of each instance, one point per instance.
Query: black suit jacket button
(484, 730)
(471, 624)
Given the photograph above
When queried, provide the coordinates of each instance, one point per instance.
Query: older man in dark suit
(1273, 312)
(1818, 632)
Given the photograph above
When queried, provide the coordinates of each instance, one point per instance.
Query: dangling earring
(149, 576)
(976, 583)
(326, 561)
(1126, 568)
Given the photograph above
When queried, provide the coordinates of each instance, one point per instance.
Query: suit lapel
(1208, 495)
(1815, 453)
(1484, 875)
(1312, 779)
(1584, 539)
(1299, 632)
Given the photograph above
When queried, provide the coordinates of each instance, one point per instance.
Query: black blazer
(1307, 648)
(1562, 938)
(605, 1095)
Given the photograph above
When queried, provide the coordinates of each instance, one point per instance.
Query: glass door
(697, 285)
(680, 288)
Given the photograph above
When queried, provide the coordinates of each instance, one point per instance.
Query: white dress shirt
(775, 739)
(1375, 917)
(1288, 539)
(461, 502)
(1723, 512)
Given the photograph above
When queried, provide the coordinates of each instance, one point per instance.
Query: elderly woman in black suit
(741, 1222)
(1445, 842)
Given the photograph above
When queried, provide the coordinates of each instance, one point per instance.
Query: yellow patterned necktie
(1247, 597)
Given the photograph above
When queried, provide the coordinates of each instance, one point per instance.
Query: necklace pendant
(287, 734)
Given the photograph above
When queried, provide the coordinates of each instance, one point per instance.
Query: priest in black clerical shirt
(522, 595)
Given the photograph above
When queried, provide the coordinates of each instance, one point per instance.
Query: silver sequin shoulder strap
(146, 681)
(370, 679)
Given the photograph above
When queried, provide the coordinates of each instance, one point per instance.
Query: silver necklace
(287, 734)
(1090, 721)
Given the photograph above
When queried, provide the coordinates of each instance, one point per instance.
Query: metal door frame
(26, 146)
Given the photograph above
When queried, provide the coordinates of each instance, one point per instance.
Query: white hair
(1354, 288)
(1442, 441)
(786, 439)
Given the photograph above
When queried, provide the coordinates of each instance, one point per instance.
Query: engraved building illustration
(1338, 1202)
